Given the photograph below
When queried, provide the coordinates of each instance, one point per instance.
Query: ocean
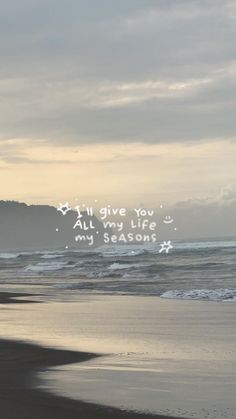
(195, 270)
(162, 354)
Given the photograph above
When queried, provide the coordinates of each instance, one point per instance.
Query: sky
(125, 102)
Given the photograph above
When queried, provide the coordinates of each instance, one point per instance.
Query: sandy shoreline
(16, 298)
(18, 397)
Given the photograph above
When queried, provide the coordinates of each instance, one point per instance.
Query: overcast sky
(123, 101)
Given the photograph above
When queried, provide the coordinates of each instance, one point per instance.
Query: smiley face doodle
(168, 220)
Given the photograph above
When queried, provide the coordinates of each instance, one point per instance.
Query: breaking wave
(220, 294)
(9, 255)
(44, 266)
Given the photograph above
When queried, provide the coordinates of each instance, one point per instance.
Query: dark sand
(20, 400)
(12, 297)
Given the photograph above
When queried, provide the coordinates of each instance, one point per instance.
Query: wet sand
(14, 297)
(19, 399)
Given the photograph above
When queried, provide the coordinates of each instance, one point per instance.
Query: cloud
(126, 94)
(126, 173)
(225, 197)
(212, 216)
(94, 72)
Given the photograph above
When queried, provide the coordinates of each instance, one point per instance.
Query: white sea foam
(45, 266)
(220, 294)
(117, 266)
(122, 250)
(52, 255)
(14, 255)
(9, 255)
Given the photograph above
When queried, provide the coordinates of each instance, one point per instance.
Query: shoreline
(19, 399)
(12, 298)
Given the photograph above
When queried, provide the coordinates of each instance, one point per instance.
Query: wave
(117, 266)
(48, 266)
(52, 255)
(9, 255)
(128, 250)
(42, 254)
(195, 245)
(153, 248)
(220, 294)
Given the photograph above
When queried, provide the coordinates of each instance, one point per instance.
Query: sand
(20, 399)
(13, 297)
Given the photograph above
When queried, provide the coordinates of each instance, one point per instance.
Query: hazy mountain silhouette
(24, 227)
(35, 227)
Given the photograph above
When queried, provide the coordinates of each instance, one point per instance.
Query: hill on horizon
(24, 227)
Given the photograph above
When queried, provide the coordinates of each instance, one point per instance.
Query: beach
(117, 209)
(159, 357)
(20, 400)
